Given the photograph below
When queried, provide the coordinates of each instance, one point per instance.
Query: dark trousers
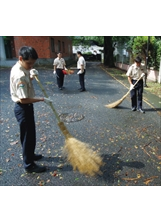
(24, 114)
(136, 94)
(81, 80)
(60, 78)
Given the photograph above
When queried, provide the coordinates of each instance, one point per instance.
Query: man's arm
(55, 65)
(129, 79)
(31, 100)
(81, 64)
(55, 68)
(82, 68)
(129, 73)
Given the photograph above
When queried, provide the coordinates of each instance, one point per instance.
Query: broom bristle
(114, 104)
(82, 157)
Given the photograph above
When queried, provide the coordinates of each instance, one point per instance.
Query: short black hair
(28, 52)
(79, 53)
(138, 59)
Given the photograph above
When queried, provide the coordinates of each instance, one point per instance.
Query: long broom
(118, 102)
(79, 154)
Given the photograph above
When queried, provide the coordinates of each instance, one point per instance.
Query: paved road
(129, 142)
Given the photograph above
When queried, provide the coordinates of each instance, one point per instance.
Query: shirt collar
(22, 68)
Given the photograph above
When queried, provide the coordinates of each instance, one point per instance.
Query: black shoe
(133, 109)
(60, 88)
(37, 157)
(140, 110)
(35, 169)
(82, 90)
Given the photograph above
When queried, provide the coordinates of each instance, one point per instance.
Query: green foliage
(158, 54)
(140, 45)
(99, 40)
(87, 40)
(155, 55)
(88, 53)
(77, 40)
(121, 39)
(137, 44)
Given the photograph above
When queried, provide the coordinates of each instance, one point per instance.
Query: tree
(139, 46)
(107, 41)
(108, 51)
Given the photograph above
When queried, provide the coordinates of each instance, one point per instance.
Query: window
(63, 46)
(52, 45)
(59, 46)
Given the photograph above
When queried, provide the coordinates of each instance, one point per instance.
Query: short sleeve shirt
(135, 72)
(20, 83)
(81, 61)
(59, 63)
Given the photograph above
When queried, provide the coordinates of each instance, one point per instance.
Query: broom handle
(51, 105)
(133, 87)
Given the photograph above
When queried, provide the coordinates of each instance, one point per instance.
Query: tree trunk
(108, 52)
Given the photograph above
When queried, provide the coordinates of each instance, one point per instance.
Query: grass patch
(154, 88)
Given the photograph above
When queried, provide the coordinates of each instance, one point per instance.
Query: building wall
(12, 47)
(43, 45)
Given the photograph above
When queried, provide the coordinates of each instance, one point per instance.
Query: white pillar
(2, 49)
(159, 77)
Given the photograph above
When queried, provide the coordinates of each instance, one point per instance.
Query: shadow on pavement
(58, 160)
(113, 163)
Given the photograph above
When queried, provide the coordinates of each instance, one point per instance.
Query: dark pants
(81, 80)
(60, 78)
(136, 94)
(24, 114)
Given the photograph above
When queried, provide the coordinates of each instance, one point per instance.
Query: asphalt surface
(129, 142)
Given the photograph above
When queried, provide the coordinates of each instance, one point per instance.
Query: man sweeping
(134, 72)
(23, 95)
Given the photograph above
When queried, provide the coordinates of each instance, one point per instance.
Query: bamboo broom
(79, 154)
(118, 102)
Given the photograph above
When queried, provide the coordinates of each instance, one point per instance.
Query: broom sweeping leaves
(118, 102)
(79, 154)
(82, 157)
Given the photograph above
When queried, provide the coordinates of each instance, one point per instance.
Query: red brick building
(46, 47)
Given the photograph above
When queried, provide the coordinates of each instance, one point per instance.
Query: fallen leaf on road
(43, 139)
(94, 97)
(150, 179)
(13, 143)
(54, 174)
(41, 183)
(136, 178)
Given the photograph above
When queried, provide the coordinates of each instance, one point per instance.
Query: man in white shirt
(23, 95)
(59, 65)
(81, 66)
(134, 72)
